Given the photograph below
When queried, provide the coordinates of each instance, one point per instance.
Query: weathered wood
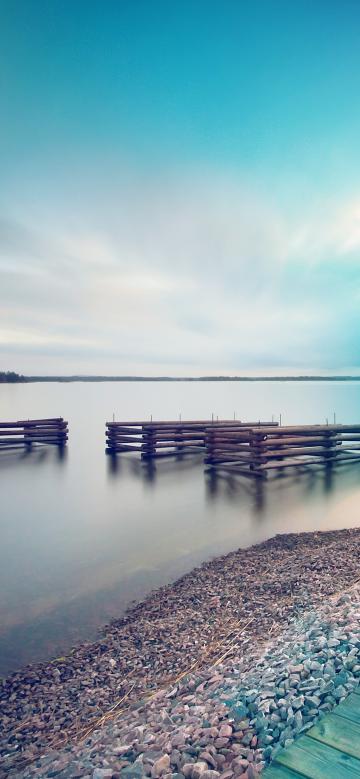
(254, 447)
(28, 432)
(312, 429)
(350, 708)
(338, 732)
(268, 448)
(299, 440)
(331, 748)
(319, 761)
(277, 771)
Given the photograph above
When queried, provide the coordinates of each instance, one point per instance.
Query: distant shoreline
(19, 379)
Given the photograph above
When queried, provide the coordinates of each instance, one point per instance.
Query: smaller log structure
(162, 439)
(26, 433)
(257, 451)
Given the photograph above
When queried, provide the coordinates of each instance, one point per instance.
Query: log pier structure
(26, 433)
(258, 451)
(249, 448)
(163, 439)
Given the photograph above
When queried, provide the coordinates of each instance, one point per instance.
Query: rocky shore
(207, 677)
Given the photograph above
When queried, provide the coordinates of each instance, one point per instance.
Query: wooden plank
(278, 771)
(126, 430)
(176, 437)
(22, 441)
(172, 444)
(334, 461)
(299, 452)
(308, 429)
(300, 439)
(125, 439)
(124, 448)
(316, 760)
(179, 423)
(350, 708)
(338, 732)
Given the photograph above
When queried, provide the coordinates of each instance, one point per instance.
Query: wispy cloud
(198, 273)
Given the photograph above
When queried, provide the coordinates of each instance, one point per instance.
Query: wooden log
(125, 448)
(22, 422)
(160, 437)
(45, 431)
(268, 443)
(177, 436)
(299, 452)
(231, 438)
(233, 448)
(163, 423)
(304, 463)
(312, 429)
(44, 439)
(125, 439)
(123, 430)
(162, 445)
(19, 432)
(166, 453)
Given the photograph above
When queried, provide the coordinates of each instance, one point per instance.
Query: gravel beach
(209, 676)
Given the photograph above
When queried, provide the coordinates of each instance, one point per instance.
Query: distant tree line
(10, 377)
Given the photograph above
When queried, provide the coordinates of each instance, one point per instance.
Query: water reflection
(149, 470)
(258, 495)
(82, 535)
(309, 480)
(33, 456)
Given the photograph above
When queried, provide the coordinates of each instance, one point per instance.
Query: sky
(180, 187)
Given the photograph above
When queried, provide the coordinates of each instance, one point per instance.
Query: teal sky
(180, 186)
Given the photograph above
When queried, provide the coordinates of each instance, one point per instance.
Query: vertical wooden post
(256, 450)
(179, 444)
(148, 446)
(27, 437)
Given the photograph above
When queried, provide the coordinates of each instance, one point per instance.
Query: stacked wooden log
(262, 449)
(161, 439)
(26, 433)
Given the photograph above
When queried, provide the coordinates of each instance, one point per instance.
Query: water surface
(80, 539)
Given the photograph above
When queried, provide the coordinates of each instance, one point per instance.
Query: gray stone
(198, 769)
(133, 771)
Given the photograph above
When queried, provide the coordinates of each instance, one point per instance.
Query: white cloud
(195, 274)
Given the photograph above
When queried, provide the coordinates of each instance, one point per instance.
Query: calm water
(80, 541)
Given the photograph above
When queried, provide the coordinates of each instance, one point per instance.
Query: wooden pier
(259, 450)
(26, 433)
(329, 750)
(163, 439)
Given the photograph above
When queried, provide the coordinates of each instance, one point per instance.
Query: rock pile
(232, 711)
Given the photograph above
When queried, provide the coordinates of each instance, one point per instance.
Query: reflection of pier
(148, 470)
(25, 434)
(233, 486)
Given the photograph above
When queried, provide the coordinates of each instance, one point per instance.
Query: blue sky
(180, 186)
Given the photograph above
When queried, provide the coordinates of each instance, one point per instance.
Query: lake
(81, 540)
